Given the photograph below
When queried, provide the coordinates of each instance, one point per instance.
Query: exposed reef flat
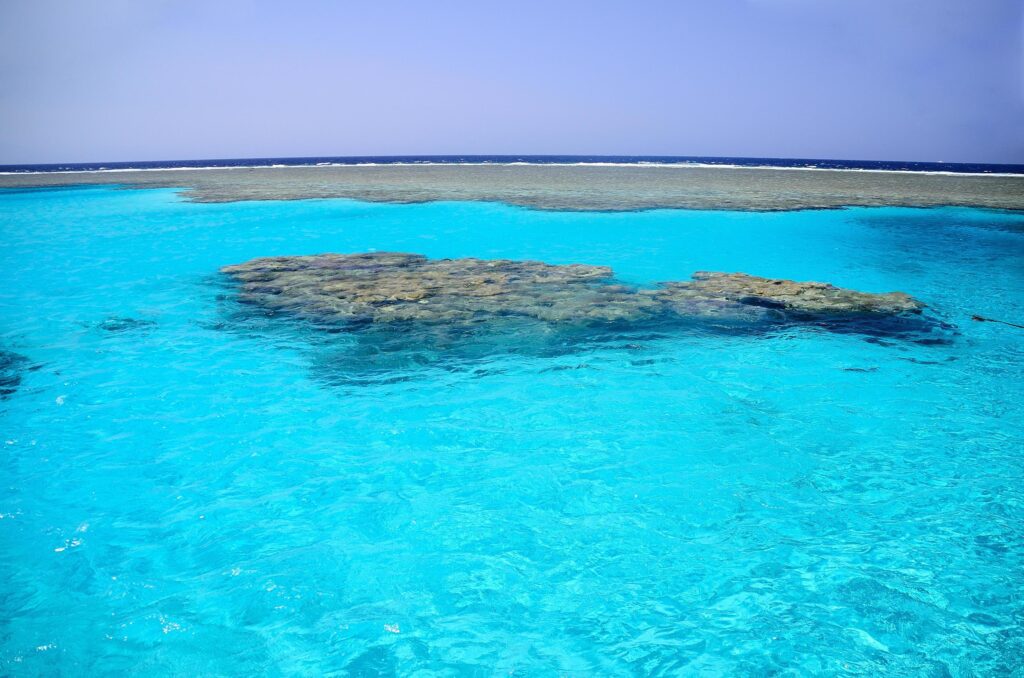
(575, 187)
(387, 288)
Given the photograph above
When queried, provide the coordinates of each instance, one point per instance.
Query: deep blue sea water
(184, 493)
(888, 165)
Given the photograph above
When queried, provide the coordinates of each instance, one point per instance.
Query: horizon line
(449, 156)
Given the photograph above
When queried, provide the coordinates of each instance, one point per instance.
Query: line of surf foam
(633, 165)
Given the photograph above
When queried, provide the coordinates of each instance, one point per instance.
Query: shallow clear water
(188, 494)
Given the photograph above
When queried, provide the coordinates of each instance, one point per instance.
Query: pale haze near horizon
(925, 80)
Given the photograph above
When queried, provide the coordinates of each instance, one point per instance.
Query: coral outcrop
(388, 287)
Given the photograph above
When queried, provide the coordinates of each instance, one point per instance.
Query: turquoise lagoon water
(187, 493)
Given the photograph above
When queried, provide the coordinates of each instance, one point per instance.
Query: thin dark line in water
(983, 319)
(630, 160)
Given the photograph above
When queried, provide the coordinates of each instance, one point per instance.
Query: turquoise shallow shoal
(183, 497)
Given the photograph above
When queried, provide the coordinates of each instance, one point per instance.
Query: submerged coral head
(390, 287)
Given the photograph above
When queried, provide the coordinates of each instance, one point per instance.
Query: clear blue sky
(106, 80)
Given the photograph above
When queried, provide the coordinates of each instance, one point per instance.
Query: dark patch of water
(12, 366)
(361, 353)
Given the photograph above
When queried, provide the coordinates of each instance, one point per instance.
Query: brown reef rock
(388, 287)
(797, 298)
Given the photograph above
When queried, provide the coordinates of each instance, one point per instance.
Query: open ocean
(794, 163)
(189, 490)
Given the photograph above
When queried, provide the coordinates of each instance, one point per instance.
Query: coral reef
(388, 287)
(12, 365)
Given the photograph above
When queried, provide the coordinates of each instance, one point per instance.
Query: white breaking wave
(522, 163)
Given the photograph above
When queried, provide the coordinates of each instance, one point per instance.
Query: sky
(115, 80)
